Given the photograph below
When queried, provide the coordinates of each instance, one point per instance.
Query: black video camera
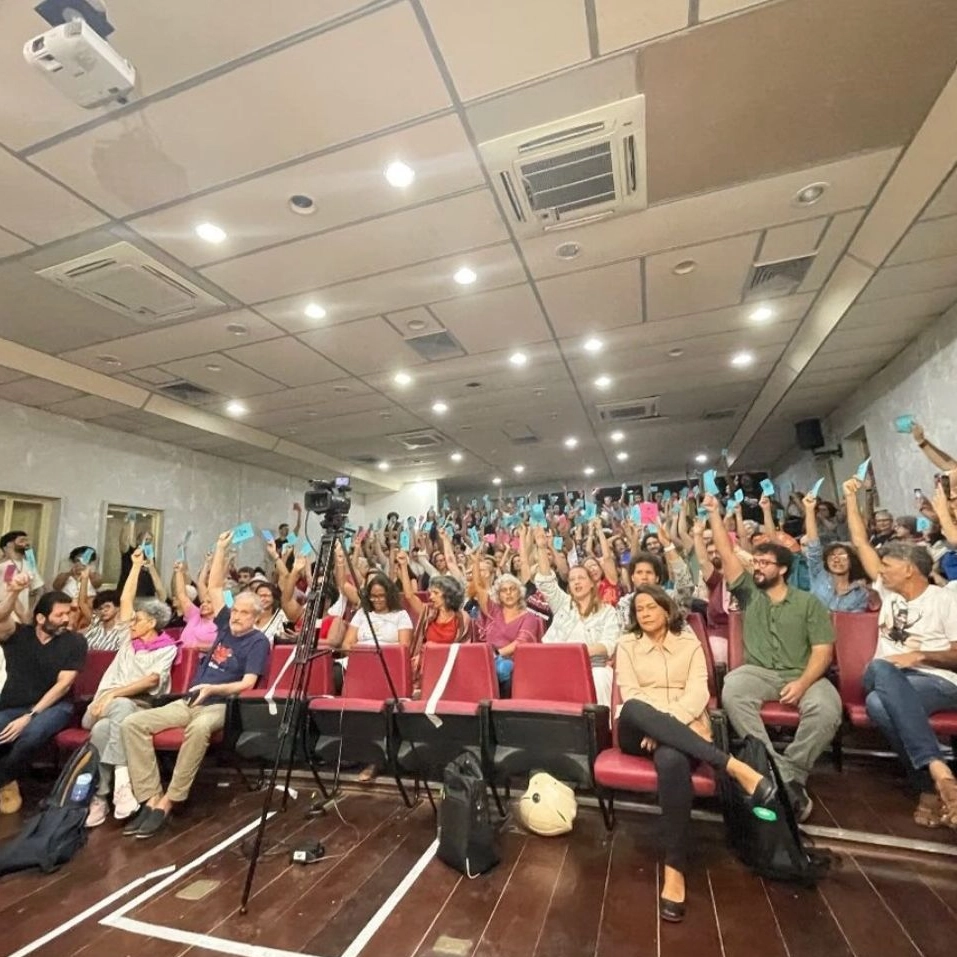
(329, 498)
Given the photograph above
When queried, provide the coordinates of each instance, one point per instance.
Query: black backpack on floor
(50, 838)
(467, 838)
(775, 849)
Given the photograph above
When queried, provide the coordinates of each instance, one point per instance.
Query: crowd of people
(616, 572)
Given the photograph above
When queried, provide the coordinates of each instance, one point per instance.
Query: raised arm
(217, 572)
(416, 604)
(180, 598)
(812, 547)
(84, 600)
(128, 595)
(940, 458)
(606, 554)
(730, 563)
(202, 580)
(157, 580)
(701, 550)
(855, 523)
(127, 533)
(476, 587)
(948, 526)
(677, 571)
(8, 606)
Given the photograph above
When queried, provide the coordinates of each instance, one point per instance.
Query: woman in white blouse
(390, 620)
(579, 616)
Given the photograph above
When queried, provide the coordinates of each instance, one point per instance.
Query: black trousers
(677, 747)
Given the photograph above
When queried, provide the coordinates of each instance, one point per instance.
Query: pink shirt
(499, 633)
(199, 632)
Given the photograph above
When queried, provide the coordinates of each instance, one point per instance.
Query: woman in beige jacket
(663, 681)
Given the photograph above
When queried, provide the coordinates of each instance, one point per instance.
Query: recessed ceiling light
(518, 358)
(302, 205)
(538, 392)
(701, 458)
(292, 431)
(761, 314)
(314, 311)
(603, 381)
(742, 359)
(109, 360)
(236, 408)
(567, 250)
(399, 174)
(617, 436)
(312, 414)
(416, 325)
(212, 367)
(588, 470)
(465, 276)
(518, 469)
(210, 232)
(385, 414)
(676, 353)
(571, 442)
(622, 456)
(383, 466)
(439, 407)
(593, 345)
(465, 428)
(402, 378)
(456, 456)
(684, 267)
(341, 389)
(496, 481)
(810, 194)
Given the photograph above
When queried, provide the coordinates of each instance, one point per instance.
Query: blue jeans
(899, 701)
(15, 757)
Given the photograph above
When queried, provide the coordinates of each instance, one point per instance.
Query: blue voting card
(557, 543)
(708, 480)
(816, 488)
(227, 598)
(305, 549)
(243, 533)
(404, 540)
(905, 423)
(767, 486)
(861, 472)
(148, 552)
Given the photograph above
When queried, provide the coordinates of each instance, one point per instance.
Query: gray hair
(251, 598)
(452, 591)
(916, 555)
(158, 610)
(507, 579)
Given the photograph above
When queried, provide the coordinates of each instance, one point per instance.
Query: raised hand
(852, 486)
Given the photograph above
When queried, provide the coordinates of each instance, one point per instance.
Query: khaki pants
(199, 722)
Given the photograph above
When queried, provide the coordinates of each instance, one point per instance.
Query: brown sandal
(947, 789)
(368, 774)
(929, 811)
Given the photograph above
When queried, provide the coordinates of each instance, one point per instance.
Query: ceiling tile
(789, 242)
(398, 289)
(393, 241)
(594, 299)
(176, 342)
(10, 244)
(837, 235)
(900, 308)
(149, 376)
(323, 398)
(913, 277)
(757, 205)
(177, 145)
(491, 320)
(347, 186)
(623, 23)
(10, 375)
(945, 202)
(415, 322)
(32, 391)
(708, 9)
(489, 46)
(232, 380)
(931, 239)
(287, 360)
(717, 279)
(364, 346)
(88, 407)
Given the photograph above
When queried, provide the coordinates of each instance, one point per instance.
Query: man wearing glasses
(914, 671)
(788, 648)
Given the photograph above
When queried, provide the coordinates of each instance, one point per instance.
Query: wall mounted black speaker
(808, 433)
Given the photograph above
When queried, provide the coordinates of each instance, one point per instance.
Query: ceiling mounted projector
(81, 64)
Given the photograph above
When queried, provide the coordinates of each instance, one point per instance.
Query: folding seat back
(697, 624)
(278, 657)
(735, 640)
(183, 670)
(854, 646)
(407, 605)
(89, 678)
(553, 673)
(472, 677)
(365, 675)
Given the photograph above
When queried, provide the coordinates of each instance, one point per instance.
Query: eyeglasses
(764, 563)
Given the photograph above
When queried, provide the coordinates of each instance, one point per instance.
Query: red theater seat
(552, 721)
(84, 689)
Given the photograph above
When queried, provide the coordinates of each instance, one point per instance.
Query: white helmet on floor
(548, 807)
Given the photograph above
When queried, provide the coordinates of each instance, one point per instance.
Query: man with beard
(14, 546)
(788, 648)
(43, 660)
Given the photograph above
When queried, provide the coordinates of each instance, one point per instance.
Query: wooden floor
(587, 894)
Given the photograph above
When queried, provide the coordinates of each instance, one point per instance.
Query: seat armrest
(720, 729)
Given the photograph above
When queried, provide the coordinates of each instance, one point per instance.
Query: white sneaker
(124, 804)
(99, 808)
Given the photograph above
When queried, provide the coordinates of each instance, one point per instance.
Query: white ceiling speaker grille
(574, 171)
(778, 278)
(126, 280)
(634, 410)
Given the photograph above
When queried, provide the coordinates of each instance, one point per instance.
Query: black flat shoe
(136, 822)
(671, 911)
(154, 822)
(762, 799)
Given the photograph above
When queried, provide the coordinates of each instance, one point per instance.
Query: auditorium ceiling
(807, 135)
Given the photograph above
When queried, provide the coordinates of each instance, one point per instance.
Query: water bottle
(81, 788)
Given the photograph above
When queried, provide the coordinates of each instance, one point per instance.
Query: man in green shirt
(788, 647)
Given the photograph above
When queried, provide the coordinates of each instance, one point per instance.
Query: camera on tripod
(330, 499)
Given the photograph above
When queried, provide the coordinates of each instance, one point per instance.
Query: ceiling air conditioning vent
(186, 392)
(420, 439)
(777, 279)
(126, 280)
(719, 414)
(526, 440)
(574, 171)
(435, 346)
(364, 459)
(635, 410)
